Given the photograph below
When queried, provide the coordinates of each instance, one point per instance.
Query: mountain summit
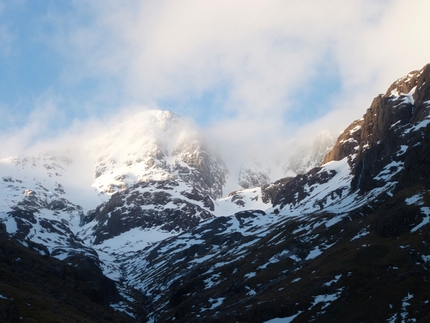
(390, 128)
(157, 145)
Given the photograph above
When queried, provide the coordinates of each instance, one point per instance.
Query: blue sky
(242, 70)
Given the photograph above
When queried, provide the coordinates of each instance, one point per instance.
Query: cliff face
(376, 157)
(391, 132)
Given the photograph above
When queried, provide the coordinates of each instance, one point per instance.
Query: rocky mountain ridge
(345, 241)
(339, 235)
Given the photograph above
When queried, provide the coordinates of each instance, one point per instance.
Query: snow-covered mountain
(156, 145)
(337, 242)
(343, 241)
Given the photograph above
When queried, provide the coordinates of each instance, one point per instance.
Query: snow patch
(333, 281)
(425, 220)
(11, 225)
(405, 304)
(361, 234)
(215, 302)
(402, 150)
(288, 319)
(314, 253)
(327, 299)
(250, 275)
(419, 125)
(416, 199)
(389, 171)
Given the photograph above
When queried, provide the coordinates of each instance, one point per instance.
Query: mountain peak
(162, 118)
(407, 101)
(386, 129)
(156, 145)
(405, 84)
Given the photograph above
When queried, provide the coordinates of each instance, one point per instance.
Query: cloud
(36, 127)
(263, 51)
(258, 52)
(253, 57)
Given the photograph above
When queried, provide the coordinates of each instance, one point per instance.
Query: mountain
(154, 150)
(156, 145)
(345, 241)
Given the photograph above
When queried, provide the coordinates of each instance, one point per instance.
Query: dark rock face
(153, 204)
(390, 144)
(3, 231)
(100, 290)
(205, 172)
(394, 122)
(293, 190)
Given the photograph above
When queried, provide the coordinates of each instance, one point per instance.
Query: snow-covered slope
(37, 208)
(348, 228)
(36, 182)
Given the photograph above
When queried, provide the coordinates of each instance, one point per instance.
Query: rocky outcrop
(292, 190)
(163, 205)
(48, 237)
(34, 183)
(405, 102)
(202, 169)
(393, 131)
(386, 151)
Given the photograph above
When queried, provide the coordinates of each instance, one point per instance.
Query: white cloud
(260, 51)
(36, 127)
(257, 54)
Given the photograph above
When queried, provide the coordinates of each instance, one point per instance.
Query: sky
(253, 75)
